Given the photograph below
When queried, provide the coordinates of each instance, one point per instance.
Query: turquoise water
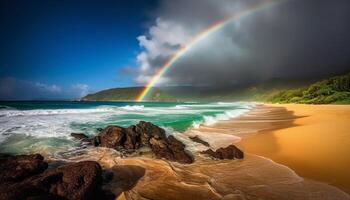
(46, 126)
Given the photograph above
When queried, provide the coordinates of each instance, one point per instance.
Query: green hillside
(127, 94)
(333, 90)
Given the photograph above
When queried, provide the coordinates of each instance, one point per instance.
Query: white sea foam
(48, 122)
(59, 123)
(135, 107)
(227, 115)
(13, 113)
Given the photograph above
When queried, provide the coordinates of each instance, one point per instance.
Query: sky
(66, 49)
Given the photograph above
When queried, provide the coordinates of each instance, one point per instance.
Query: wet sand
(316, 144)
(253, 178)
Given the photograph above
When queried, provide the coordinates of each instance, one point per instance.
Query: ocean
(45, 126)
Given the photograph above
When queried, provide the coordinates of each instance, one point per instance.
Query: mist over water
(46, 126)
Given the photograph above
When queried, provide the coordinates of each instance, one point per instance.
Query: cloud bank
(17, 89)
(296, 38)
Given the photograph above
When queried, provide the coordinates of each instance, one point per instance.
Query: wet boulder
(178, 150)
(229, 152)
(148, 130)
(111, 137)
(80, 180)
(17, 168)
(144, 134)
(133, 138)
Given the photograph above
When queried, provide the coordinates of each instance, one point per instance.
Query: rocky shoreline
(145, 134)
(31, 177)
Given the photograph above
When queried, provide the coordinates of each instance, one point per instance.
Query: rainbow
(197, 38)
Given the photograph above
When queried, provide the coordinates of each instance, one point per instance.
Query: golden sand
(316, 146)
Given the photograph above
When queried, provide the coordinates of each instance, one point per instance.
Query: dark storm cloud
(295, 38)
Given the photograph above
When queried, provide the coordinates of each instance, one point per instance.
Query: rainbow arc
(197, 38)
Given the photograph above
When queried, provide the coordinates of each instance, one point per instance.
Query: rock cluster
(143, 134)
(27, 177)
(229, 152)
(146, 134)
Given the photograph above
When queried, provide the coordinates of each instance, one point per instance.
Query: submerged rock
(199, 140)
(80, 136)
(17, 168)
(229, 152)
(144, 134)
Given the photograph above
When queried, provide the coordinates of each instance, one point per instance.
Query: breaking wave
(50, 126)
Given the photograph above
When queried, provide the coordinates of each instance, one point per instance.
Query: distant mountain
(127, 94)
(331, 90)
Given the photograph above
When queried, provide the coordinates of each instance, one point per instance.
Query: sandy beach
(315, 144)
(295, 163)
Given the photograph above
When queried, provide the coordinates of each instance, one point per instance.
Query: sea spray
(29, 126)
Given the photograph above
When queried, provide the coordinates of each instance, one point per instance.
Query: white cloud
(50, 88)
(17, 89)
(12, 88)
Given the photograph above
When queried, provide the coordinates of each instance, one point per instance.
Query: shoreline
(315, 145)
(144, 176)
(254, 177)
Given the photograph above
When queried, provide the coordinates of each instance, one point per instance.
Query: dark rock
(133, 138)
(143, 134)
(96, 141)
(74, 181)
(198, 140)
(148, 131)
(229, 152)
(79, 136)
(178, 150)
(112, 137)
(17, 168)
(170, 149)
(163, 147)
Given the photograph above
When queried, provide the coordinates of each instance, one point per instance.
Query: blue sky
(64, 49)
(70, 43)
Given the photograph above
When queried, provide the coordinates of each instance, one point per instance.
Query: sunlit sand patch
(315, 146)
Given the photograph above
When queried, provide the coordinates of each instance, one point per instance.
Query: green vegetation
(127, 94)
(334, 90)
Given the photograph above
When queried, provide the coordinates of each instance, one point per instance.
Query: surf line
(197, 38)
